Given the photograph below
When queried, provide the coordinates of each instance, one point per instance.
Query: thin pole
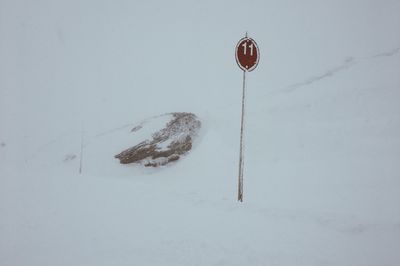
(81, 157)
(241, 156)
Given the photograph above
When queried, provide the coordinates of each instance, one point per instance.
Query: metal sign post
(247, 57)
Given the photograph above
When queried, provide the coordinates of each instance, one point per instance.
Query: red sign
(247, 54)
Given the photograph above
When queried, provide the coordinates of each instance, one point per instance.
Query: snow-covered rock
(165, 145)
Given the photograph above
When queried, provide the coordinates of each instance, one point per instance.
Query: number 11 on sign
(245, 48)
(247, 57)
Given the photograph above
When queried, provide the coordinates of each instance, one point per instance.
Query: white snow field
(322, 156)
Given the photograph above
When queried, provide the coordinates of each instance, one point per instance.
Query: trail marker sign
(247, 54)
(247, 57)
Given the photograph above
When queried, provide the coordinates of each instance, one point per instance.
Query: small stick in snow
(81, 155)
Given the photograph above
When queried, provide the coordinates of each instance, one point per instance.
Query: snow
(321, 178)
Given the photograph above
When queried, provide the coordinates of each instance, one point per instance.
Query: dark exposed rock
(166, 145)
(69, 157)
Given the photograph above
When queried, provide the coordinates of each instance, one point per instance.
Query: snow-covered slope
(322, 182)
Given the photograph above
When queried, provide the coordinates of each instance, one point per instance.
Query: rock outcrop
(165, 145)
